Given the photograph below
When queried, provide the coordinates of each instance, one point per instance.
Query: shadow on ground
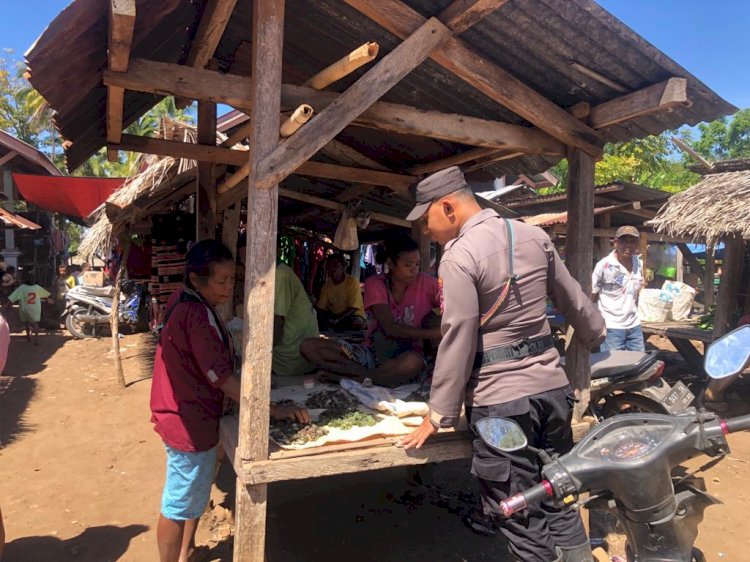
(17, 388)
(372, 516)
(106, 543)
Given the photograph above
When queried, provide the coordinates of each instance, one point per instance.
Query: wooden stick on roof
(299, 117)
(344, 66)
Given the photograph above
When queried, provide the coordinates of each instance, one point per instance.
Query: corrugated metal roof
(11, 220)
(535, 40)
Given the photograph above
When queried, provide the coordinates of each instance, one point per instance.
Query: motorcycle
(626, 465)
(630, 381)
(88, 309)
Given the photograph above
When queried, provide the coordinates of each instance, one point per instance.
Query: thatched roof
(713, 208)
(154, 180)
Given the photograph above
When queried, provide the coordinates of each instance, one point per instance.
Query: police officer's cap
(434, 187)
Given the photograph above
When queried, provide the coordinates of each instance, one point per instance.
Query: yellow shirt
(337, 298)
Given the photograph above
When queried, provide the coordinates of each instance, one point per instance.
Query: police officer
(497, 354)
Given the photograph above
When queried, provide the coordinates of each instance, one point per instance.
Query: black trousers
(545, 419)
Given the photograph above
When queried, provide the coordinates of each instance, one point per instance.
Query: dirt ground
(81, 472)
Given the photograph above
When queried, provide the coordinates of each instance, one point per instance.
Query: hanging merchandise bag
(346, 233)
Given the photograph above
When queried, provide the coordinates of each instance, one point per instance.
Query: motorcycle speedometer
(625, 444)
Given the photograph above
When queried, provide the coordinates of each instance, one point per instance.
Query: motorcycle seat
(108, 291)
(621, 363)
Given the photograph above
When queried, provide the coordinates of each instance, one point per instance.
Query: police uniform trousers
(545, 418)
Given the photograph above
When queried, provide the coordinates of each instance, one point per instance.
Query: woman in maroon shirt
(194, 369)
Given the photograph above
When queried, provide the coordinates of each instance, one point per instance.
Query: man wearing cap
(615, 284)
(497, 354)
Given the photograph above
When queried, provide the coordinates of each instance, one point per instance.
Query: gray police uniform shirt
(473, 270)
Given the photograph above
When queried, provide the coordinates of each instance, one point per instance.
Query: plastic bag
(682, 299)
(383, 399)
(654, 305)
(346, 232)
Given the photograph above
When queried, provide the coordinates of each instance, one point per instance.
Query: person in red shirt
(194, 369)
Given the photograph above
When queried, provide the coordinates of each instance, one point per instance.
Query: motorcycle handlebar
(738, 424)
(522, 500)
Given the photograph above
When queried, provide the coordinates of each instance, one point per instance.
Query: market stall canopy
(547, 74)
(11, 220)
(68, 195)
(22, 157)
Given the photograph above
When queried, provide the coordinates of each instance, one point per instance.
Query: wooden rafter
(236, 157)
(210, 29)
(170, 79)
(121, 29)
(497, 84)
(8, 157)
(462, 14)
(472, 155)
(289, 155)
(652, 99)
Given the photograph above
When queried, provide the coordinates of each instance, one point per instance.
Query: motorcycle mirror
(729, 355)
(501, 434)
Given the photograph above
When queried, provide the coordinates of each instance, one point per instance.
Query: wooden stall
(716, 209)
(472, 83)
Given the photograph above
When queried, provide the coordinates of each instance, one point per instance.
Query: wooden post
(206, 207)
(229, 232)
(579, 260)
(114, 320)
(604, 244)
(644, 254)
(424, 244)
(268, 40)
(708, 278)
(731, 273)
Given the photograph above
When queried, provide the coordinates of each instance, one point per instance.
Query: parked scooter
(88, 309)
(630, 381)
(625, 465)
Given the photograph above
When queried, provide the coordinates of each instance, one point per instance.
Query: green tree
(723, 139)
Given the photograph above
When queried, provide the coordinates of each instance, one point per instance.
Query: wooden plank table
(346, 458)
(682, 334)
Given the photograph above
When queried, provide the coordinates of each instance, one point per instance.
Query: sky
(709, 39)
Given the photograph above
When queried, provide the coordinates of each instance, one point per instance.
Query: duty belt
(525, 348)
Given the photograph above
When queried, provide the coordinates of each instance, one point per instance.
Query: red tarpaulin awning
(69, 195)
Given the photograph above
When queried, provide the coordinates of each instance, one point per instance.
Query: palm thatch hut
(717, 209)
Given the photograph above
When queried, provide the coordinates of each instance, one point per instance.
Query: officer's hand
(417, 437)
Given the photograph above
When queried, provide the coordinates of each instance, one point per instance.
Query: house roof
(569, 52)
(27, 159)
(12, 220)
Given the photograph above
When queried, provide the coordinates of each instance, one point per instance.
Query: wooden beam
(658, 97)
(396, 182)
(695, 265)
(580, 110)
(579, 261)
(685, 147)
(206, 192)
(344, 66)
(328, 204)
(455, 160)
(497, 84)
(177, 149)
(230, 225)
(708, 279)
(260, 274)
(357, 460)
(213, 23)
(170, 79)
(363, 93)
(120, 40)
(461, 129)
(417, 233)
(121, 29)
(610, 233)
(8, 157)
(462, 14)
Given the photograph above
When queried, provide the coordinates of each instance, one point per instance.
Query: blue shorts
(188, 486)
(630, 339)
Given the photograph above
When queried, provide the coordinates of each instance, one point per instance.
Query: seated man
(397, 304)
(340, 306)
(293, 322)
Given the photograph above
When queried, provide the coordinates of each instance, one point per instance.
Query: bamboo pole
(115, 314)
(346, 65)
(299, 117)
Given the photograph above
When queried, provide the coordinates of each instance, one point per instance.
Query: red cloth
(69, 195)
(191, 364)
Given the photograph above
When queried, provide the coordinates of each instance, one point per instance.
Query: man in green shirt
(294, 321)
